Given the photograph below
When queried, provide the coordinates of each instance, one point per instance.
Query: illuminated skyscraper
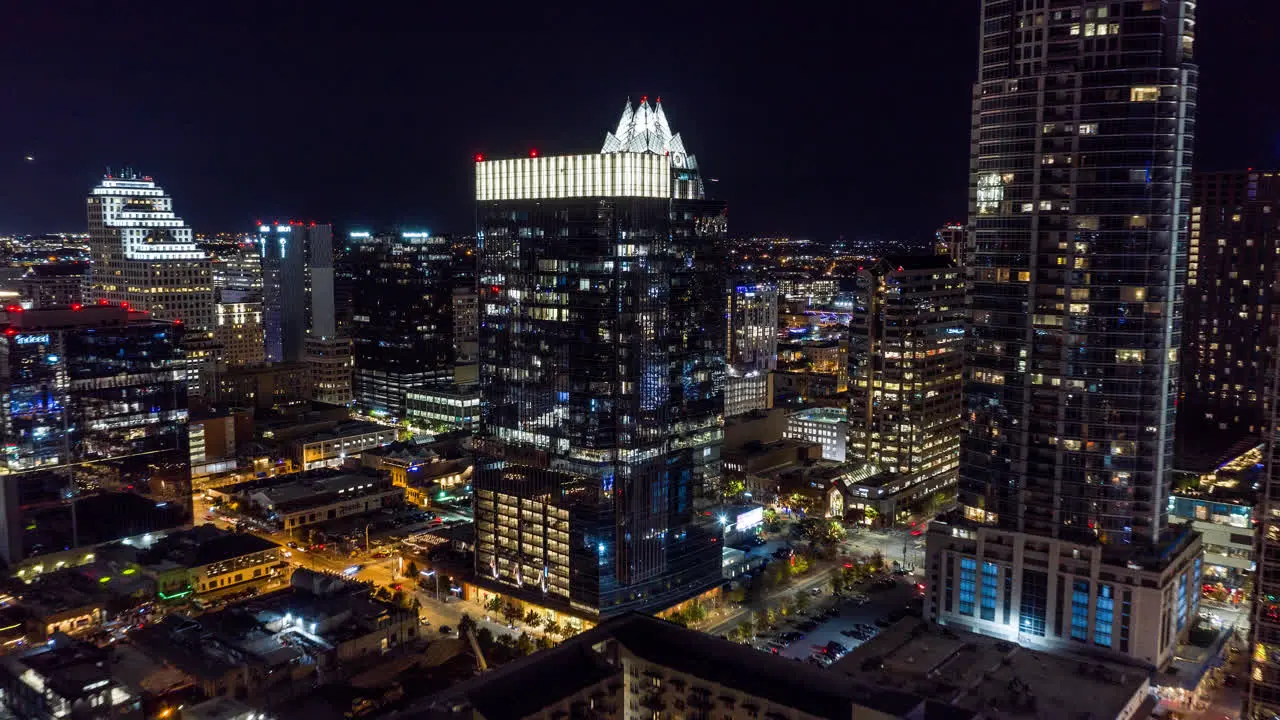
(94, 427)
(905, 361)
(402, 319)
(601, 370)
(297, 286)
(1227, 337)
(145, 257)
(751, 346)
(1083, 125)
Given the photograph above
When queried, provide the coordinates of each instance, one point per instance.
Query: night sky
(820, 119)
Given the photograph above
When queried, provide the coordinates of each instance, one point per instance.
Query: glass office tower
(402, 319)
(1080, 187)
(94, 429)
(602, 373)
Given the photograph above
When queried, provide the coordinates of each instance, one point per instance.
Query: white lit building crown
(642, 158)
(149, 229)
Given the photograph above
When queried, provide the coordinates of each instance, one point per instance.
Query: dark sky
(820, 118)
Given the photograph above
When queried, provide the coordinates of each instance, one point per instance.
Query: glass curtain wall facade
(94, 429)
(402, 319)
(602, 373)
(1080, 197)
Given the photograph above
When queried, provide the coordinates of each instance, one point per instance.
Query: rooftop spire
(644, 129)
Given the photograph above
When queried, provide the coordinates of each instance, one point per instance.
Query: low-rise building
(827, 426)
(864, 493)
(211, 562)
(975, 675)
(331, 447)
(279, 645)
(300, 503)
(66, 678)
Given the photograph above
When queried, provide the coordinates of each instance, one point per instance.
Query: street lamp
(432, 574)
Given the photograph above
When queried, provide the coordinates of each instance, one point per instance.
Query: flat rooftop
(999, 679)
(830, 415)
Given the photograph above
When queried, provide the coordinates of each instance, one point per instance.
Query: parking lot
(816, 628)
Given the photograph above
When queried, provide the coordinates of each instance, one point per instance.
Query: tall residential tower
(1080, 187)
(602, 374)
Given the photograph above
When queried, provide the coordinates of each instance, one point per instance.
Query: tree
(745, 629)
(510, 612)
(772, 523)
(484, 637)
(524, 644)
(412, 570)
(466, 624)
(553, 628)
(737, 595)
(876, 562)
(399, 599)
(696, 612)
(802, 601)
(531, 617)
(493, 604)
(837, 581)
(762, 622)
(733, 488)
(545, 643)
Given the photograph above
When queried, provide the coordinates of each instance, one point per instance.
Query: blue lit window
(1080, 610)
(1182, 601)
(990, 574)
(968, 584)
(1104, 611)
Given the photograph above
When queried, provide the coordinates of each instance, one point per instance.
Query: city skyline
(395, 148)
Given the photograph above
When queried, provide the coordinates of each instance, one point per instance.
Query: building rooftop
(305, 493)
(1001, 680)
(831, 415)
(204, 544)
(545, 678)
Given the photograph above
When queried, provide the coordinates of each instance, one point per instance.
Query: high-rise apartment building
(1262, 702)
(949, 241)
(906, 357)
(144, 256)
(602, 373)
(1227, 333)
(1080, 190)
(402, 320)
(751, 346)
(94, 428)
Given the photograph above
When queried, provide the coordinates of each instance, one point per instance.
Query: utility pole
(366, 540)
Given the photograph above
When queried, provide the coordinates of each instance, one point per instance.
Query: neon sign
(32, 339)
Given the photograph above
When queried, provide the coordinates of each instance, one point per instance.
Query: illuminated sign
(32, 339)
(360, 234)
(415, 234)
(750, 519)
(282, 228)
(264, 228)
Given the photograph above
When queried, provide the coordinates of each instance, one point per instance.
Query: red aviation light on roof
(533, 153)
(479, 157)
(10, 331)
(14, 308)
(77, 306)
(103, 301)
